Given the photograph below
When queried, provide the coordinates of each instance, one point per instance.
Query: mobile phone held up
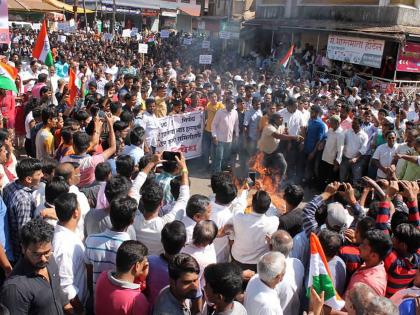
(170, 156)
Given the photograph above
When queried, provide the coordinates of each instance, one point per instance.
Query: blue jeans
(221, 156)
(206, 147)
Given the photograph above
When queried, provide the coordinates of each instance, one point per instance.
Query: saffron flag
(73, 86)
(285, 60)
(320, 275)
(8, 76)
(42, 49)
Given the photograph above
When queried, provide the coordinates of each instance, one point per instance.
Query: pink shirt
(36, 90)
(375, 277)
(87, 166)
(117, 297)
(346, 123)
(101, 201)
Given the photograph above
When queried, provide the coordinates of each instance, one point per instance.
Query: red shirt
(8, 111)
(117, 297)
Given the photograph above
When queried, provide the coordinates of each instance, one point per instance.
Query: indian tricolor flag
(285, 60)
(8, 76)
(320, 275)
(42, 49)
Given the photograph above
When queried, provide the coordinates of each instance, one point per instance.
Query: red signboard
(409, 59)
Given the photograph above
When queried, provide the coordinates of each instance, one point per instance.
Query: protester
(259, 129)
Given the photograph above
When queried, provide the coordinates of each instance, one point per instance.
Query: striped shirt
(401, 270)
(101, 251)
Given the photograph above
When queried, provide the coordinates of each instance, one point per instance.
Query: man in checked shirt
(19, 201)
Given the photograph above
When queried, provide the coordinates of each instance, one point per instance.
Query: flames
(265, 181)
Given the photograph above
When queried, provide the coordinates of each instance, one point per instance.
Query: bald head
(358, 299)
(65, 170)
(282, 241)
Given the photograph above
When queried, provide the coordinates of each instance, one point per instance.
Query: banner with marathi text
(361, 51)
(4, 23)
(182, 133)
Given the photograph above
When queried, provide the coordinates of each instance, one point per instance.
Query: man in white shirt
(150, 124)
(290, 289)
(30, 76)
(69, 251)
(224, 125)
(355, 146)
(250, 231)
(147, 224)
(384, 154)
(135, 149)
(221, 213)
(292, 117)
(260, 295)
(71, 174)
(198, 209)
(333, 151)
(201, 247)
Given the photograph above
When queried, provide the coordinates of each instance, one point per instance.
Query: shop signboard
(409, 58)
(361, 51)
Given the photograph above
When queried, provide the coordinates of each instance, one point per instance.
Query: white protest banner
(187, 41)
(205, 59)
(143, 48)
(164, 34)
(181, 133)
(205, 44)
(62, 38)
(126, 33)
(224, 35)
(361, 51)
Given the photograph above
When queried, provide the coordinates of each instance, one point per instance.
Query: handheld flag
(285, 60)
(320, 275)
(73, 88)
(42, 49)
(8, 76)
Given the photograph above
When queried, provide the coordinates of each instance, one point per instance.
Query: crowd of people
(94, 220)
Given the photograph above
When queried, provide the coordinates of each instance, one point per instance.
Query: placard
(62, 38)
(164, 34)
(205, 59)
(134, 31)
(187, 41)
(143, 48)
(181, 133)
(205, 44)
(361, 51)
(126, 33)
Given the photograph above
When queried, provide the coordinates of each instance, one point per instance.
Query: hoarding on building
(361, 51)
(409, 58)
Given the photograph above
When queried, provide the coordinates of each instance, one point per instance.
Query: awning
(30, 5)
(66, 7)
(193, 10)
(393, 32)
